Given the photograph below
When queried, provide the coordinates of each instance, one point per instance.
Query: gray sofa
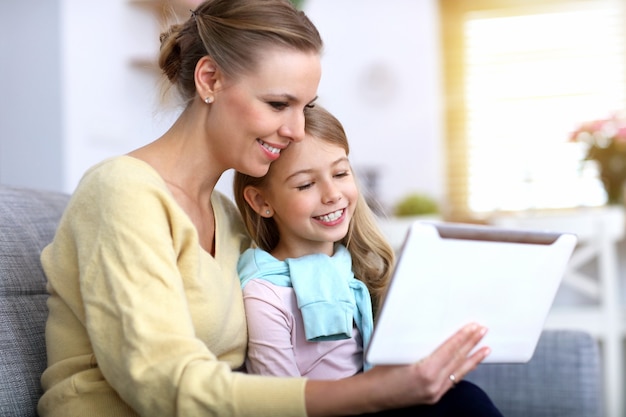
(562, 379)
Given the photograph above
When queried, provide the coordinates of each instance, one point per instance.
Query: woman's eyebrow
(312, 101)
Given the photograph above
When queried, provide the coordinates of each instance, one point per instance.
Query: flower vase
(614, 190)
(611, 160)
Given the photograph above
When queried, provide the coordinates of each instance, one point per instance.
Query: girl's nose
(331, 194)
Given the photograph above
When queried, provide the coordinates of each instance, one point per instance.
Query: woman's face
(261, 113)
(312, 194)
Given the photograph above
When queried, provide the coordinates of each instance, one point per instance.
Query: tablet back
(450, 274)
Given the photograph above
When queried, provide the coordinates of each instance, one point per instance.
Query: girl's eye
(342, 174)
(278, 105)
(304, 187)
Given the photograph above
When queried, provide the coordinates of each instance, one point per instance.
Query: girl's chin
(337, 236)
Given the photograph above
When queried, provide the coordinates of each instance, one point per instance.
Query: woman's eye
(278, 105)
(342, 174)
(304, 187)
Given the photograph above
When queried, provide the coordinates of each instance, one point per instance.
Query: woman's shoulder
(122, 172)
(120, 182)
(122, 169)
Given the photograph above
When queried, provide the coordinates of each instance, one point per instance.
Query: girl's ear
(207, 77)
(255, 199)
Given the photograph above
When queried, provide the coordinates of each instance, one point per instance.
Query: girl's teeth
(270, 148)
(331, 217)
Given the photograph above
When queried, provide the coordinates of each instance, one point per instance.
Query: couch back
(563, 379)
(28, 220)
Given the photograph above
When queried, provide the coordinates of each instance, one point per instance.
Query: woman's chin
(256, 171)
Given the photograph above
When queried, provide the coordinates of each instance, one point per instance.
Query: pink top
(277, 344)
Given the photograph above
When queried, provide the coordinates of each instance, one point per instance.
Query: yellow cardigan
(142, 320)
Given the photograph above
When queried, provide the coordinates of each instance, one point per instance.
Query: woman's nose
(293, 128)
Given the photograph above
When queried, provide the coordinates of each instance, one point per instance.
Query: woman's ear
(207, 78)
(255, 199)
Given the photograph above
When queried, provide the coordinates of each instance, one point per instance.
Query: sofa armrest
(563, 378)
(28, 220)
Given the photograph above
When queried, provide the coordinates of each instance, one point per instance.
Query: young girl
(320, 257)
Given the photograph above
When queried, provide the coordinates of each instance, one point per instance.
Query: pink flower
(620, 135)
(601, 132)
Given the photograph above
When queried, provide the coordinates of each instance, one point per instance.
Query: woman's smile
(271, 151)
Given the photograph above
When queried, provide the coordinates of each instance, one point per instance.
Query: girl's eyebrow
(309, 170)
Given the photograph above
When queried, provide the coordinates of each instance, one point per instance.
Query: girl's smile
(311, 194)
(333, 218)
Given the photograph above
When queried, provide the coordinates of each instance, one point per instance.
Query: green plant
(415, 204)
(298, 4)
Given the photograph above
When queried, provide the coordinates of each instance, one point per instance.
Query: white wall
(381, 78)
(30, 93)
(110, 107)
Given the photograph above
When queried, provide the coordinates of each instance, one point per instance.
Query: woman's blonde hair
(372, 255)
(235, 34)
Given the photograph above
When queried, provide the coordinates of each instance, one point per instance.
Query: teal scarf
(329, 297)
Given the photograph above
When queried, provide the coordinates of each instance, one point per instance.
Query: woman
(146, 313)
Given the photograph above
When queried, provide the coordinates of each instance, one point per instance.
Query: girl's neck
(283, 251)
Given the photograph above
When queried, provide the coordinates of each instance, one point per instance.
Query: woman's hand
(397, 386)
(428, 380)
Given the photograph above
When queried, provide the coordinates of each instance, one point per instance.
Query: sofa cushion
(28, 219)
(562, 379)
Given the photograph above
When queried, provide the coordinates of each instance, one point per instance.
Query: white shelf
(599, 231)
(164, 12)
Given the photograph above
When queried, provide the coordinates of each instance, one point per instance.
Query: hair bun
(169, 57)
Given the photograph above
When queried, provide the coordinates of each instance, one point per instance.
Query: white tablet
(451, 274)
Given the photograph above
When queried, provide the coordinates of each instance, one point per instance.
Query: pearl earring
(267, 212)
(208, 100)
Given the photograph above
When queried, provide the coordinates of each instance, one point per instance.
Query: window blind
(519, 76)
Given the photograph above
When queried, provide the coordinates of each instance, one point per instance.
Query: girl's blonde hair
(372, 256)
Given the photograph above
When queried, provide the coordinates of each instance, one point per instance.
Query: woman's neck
(185, 165)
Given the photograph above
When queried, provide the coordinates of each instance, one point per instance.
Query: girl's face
(312, 194)
(258, 115)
